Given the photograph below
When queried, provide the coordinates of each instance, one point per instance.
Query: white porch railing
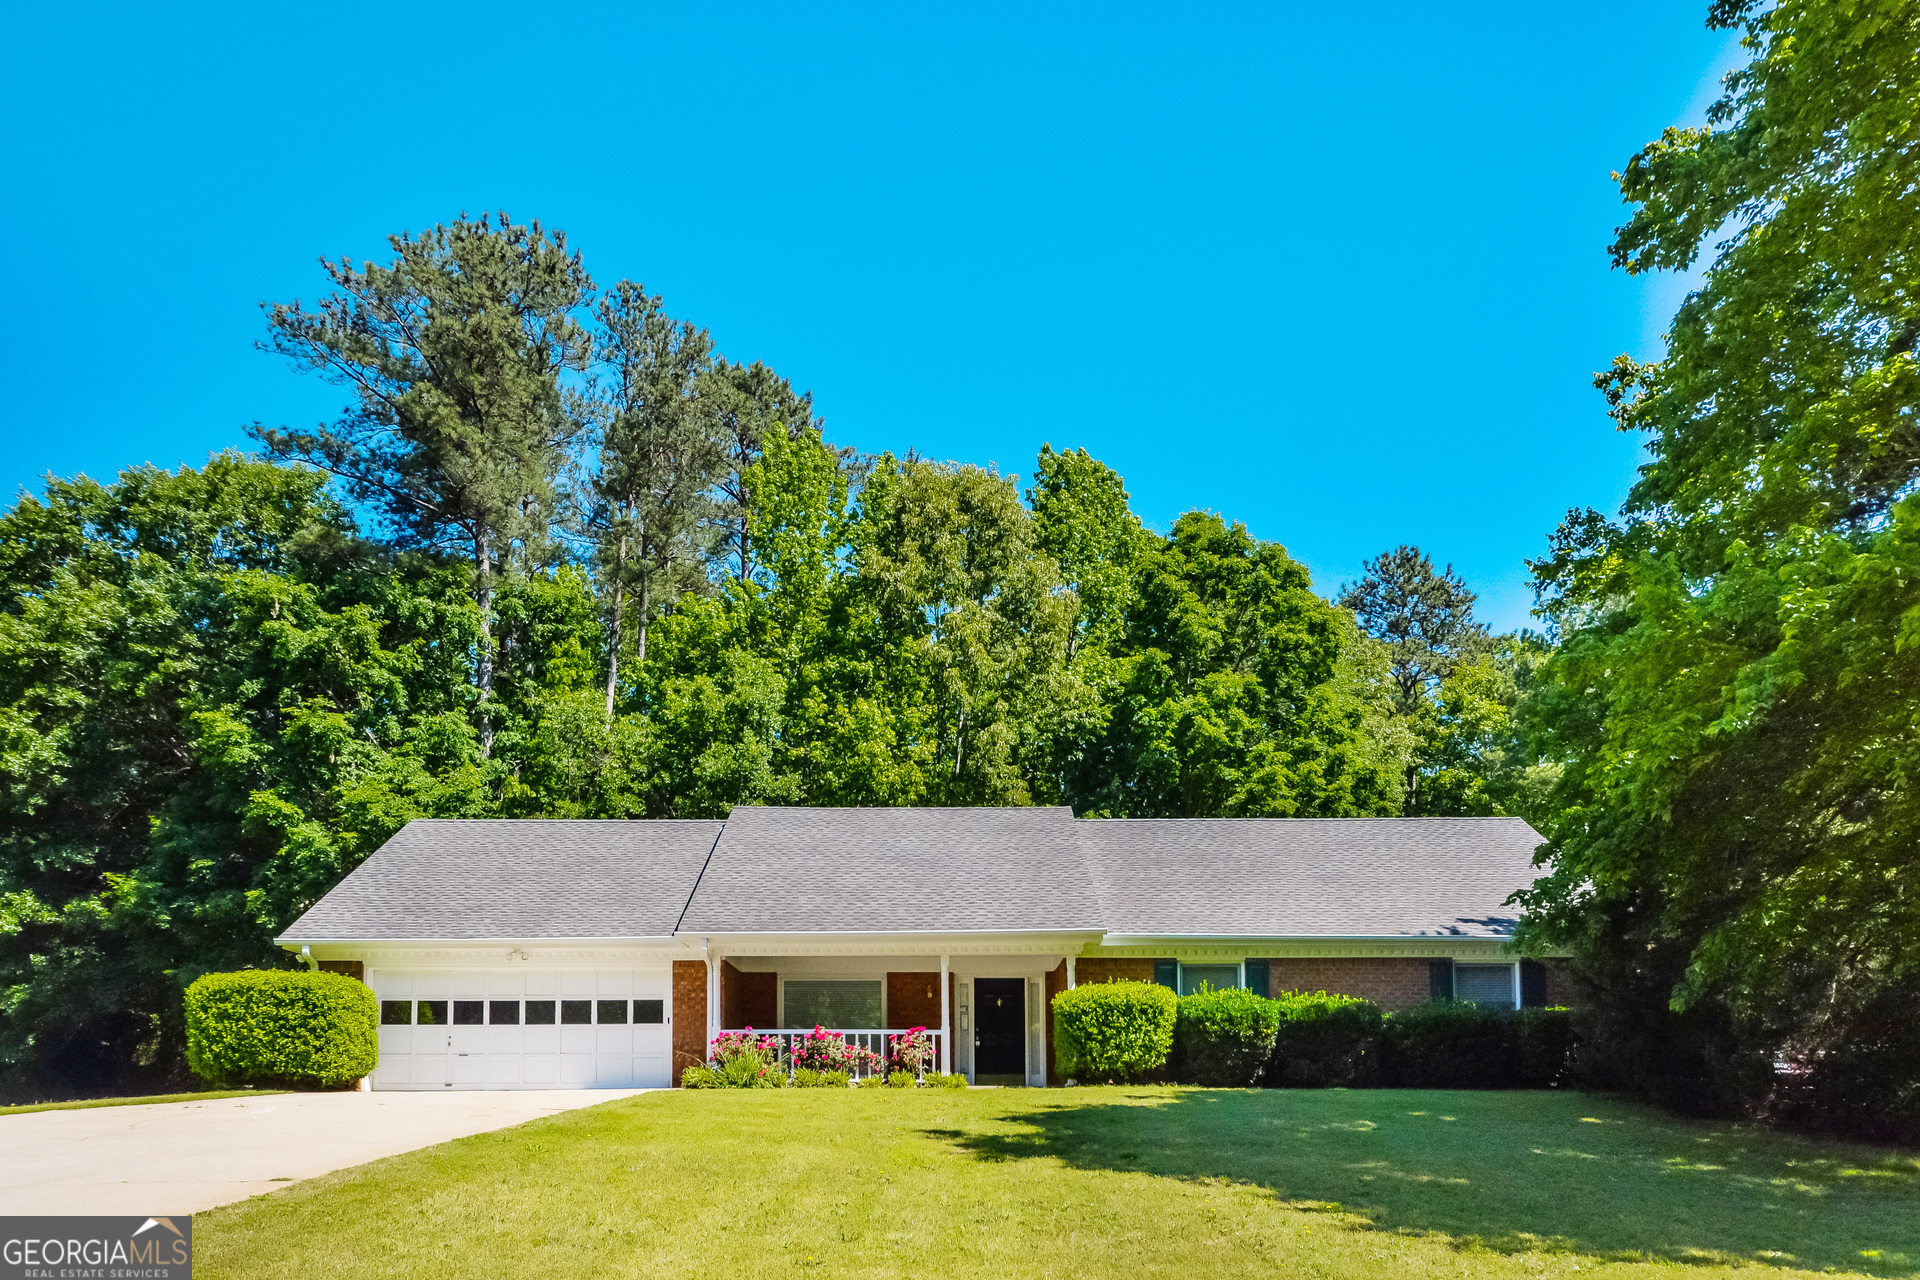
(874, 1040)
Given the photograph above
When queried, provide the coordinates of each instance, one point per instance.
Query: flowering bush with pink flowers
(742, 1060)
(821, 1050)
(911, 1051)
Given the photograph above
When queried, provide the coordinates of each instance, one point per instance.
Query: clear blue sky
(1339, 272)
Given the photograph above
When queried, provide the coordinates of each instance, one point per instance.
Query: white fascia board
(1430, 945)
(894, 942)
(290, 943)
(1308, 940)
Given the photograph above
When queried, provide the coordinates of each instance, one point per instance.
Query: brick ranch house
(530, 954)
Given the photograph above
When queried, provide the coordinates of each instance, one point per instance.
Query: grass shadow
(1511, 1172)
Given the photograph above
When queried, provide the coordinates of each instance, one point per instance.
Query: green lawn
(86, 1103)
(1090, 1182)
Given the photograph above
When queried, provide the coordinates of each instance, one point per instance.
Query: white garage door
(523, 1029)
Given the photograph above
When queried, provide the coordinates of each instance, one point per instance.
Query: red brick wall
(1112, 969)
(689, 1015)
(1391, 983)
(748, 999)
(913, 1000)
(355, 969)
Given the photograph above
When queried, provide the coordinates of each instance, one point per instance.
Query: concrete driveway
(182, 1157)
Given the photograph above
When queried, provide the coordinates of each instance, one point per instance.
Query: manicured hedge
(1325, 1042)
(1113, 1031)
(1450, 1045)
(1122, 1032)
(281, 1026)
(1223, 1038)
(1465, 1046)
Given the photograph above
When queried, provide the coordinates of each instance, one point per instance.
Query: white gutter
(288, 943)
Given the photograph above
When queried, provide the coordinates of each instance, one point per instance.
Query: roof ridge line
(688, 904)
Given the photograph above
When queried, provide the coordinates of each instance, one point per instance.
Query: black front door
(1000, 1030)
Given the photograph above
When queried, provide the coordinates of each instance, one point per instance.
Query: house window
(539, 1013)
(468, 1013)
(1488, 984)
(576, 1012)
(433, 1013)
(613, 1011)
(396, 1013)
(833, 1004)
(649, 1010)
(1166, 973)
(1219, 977)
(503, 1013)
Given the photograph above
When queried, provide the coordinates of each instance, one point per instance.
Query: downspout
(306, 954)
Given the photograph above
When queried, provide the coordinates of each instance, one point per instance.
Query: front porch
(984, 1012)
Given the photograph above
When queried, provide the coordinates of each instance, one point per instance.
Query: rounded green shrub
(1223, 1038)
(1113, 1031)
(281, 1026)
(1325, 1042)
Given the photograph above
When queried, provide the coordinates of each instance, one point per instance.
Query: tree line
(559, 556)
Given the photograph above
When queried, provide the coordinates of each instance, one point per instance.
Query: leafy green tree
(747, 403)
(1456, 689)
(455, 354)
(1235, 700)
(214, 699)
(1423, 616)
(660, 455)
(970, 621)
(1082, 518)
(1734, 692)
(1474, 754)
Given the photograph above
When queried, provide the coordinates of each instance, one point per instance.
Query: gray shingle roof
(1310, 877)
(881, 870)
(516, 878)
(933, 870)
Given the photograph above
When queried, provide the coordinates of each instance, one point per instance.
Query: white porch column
(946, 1027)
(1069, 973)
(713, 993)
